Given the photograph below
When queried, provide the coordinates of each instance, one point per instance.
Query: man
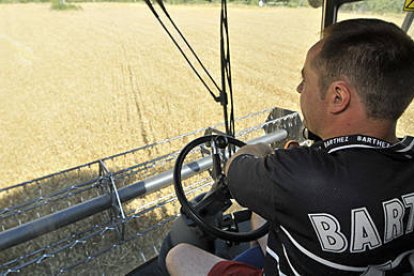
(346, 204)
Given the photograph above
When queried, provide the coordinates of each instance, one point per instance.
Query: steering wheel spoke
(215, 201)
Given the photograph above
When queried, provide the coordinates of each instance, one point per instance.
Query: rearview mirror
(315, 3)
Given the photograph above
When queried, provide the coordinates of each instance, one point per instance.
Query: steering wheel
(218, 198)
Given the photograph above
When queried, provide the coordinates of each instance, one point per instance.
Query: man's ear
(339, 94)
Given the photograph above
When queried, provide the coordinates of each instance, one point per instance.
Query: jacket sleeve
(278, 185)
(250, 183)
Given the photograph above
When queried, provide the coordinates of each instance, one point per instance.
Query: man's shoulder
(312, 155)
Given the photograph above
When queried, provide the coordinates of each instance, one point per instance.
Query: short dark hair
(377, 58)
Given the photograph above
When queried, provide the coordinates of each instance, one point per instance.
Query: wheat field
(76, 86)
(80, 85)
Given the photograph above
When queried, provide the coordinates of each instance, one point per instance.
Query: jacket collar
(405, 145)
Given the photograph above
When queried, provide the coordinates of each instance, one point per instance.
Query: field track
(80, 85)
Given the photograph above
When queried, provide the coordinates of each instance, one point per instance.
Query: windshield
(82, 81)
(78, 85)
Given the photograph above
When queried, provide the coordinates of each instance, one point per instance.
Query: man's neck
(384, 130)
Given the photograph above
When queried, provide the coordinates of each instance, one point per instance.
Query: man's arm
(259, 150)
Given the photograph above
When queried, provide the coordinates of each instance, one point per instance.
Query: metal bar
(330, 11)
(408, 20)
(118, 211)
(116, 201)
(46, 224)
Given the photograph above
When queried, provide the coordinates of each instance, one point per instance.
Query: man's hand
(291, 144)
(259, 150)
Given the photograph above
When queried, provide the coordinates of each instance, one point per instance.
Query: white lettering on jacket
(329, 232)
(364, 232)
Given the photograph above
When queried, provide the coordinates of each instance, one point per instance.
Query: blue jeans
(252, 256)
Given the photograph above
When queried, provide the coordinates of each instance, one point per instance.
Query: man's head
(371, 58)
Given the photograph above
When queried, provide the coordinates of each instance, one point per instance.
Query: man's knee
(186, 259)
(178, 252)
(176, 255)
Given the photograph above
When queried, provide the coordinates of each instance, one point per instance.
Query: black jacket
(342, 206)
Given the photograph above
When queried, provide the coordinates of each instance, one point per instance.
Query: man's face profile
(312, 105)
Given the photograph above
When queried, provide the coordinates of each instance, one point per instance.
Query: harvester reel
(207, 212)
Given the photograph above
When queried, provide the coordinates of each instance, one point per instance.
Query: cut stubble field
(80, 85)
